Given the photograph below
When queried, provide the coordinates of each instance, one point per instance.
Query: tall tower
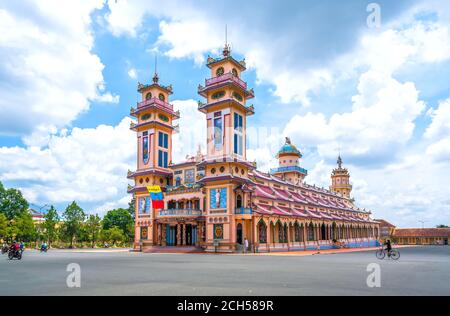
(154, 129)
(340, 180)
(289, 164)
(226, 166)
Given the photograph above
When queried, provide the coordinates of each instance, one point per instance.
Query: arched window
(262, 232)
(162, 97)
(238, 201)
(280, 232)
(310, 232)
(220, 71)
(178, 182)
(323, 232)
(148, 96)
(234, 72)
(297, 232)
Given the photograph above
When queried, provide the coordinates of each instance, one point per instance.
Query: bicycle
(394, 254)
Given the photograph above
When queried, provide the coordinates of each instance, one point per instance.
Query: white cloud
(440, 125)
(381, 122)
(87, 165)
(132, 73)
(192, 125)
(48, 74)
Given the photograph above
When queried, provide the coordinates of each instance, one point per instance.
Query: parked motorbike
(15, 254)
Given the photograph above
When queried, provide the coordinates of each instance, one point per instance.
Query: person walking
(245, 245)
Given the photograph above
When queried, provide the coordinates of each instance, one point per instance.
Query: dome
(288, 148)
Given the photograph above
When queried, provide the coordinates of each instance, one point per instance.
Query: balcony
(226, 77)
(289, 169)
(157, 102)
(180, 212)
(243, 211)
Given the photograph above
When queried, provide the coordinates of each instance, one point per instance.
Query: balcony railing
(287, 169)
(157, 102)
(225, 77)
(180, 212)
(243, 211)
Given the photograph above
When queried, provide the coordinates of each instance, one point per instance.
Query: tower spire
(226, 49)
(155, 76)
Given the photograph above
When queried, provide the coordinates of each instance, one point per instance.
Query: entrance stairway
(176, 249)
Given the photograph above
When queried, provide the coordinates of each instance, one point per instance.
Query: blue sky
(321, 76)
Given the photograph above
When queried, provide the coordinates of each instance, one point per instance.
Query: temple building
(215, 201)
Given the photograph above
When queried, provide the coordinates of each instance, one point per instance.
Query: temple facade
(215, 201)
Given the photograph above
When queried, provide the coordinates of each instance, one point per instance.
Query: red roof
(422, 232)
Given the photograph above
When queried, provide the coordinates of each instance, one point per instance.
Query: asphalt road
(420, 271)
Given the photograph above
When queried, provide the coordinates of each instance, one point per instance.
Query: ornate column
(184, 234)
(178, 235)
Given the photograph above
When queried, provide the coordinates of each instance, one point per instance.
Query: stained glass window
(218, 133)
(145, 147)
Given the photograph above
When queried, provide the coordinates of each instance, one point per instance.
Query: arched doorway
(323, 232)
(239, 233)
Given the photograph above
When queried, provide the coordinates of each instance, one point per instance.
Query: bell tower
(154, 129)
(340, 180)
(225, 163)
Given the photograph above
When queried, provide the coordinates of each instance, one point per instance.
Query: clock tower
(226, 165)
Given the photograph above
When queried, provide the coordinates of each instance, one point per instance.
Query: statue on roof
(339, 162)
(288, 140)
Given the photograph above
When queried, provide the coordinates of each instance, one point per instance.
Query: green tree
(132, 208)
(3, 226)
(93, 227)
(12, 203)
(73, 218)
(113, 235)
(24, 227)
(442, 226)
(120, 218)
(50, 225)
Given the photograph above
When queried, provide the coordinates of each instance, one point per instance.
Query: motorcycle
(15, 254)
(5, 249)
(43, 249)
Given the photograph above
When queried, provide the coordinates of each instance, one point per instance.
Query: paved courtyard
(420, 271)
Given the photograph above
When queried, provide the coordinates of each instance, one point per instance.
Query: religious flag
(157, 204)
(157, 196)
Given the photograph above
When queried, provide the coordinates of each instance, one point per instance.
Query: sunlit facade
(215, 201)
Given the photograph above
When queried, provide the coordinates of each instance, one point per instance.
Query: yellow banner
(154, 189)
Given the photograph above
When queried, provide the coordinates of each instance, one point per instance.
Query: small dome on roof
(289, 148)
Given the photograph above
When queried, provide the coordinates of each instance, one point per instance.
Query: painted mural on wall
(218, 198)
(144, 205)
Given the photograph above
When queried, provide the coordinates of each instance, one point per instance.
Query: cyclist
(388, 247)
